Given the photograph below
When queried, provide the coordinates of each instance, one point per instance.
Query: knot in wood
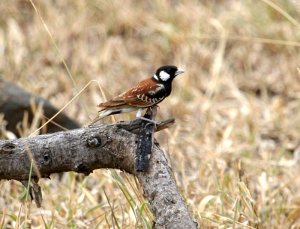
(8, 148)
(47, 158)
(94, 141)
(82, 167)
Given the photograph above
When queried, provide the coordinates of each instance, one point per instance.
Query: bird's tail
(97, 119)
(102, 114)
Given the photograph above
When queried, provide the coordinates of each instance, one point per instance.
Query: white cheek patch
(164, 76)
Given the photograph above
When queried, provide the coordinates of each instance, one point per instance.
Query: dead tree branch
(102, 146)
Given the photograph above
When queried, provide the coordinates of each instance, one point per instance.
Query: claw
(149, 121)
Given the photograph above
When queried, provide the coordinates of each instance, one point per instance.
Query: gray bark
(101, 146)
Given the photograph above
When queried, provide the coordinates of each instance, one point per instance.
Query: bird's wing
(142, 95)
(116, 102)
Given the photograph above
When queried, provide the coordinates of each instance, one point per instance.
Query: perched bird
(146, 93)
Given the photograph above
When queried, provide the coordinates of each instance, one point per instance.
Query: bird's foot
(149, 120)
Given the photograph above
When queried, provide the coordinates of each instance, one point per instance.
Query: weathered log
(101, 146)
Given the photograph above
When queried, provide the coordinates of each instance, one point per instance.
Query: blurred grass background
(234, 148)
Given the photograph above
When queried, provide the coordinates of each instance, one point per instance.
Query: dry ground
(235, 147)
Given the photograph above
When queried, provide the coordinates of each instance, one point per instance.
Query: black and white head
(167, 73)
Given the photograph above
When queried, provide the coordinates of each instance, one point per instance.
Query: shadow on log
(101, 146)
(14, 102)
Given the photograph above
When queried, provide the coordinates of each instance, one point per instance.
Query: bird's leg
(139, 116)
(139, 113)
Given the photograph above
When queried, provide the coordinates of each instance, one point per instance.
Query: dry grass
(235, 146)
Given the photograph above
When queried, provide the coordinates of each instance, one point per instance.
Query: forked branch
(101, 146)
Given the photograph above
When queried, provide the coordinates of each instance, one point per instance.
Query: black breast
(161, 92)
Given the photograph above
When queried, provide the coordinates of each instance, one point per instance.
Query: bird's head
(167, 73)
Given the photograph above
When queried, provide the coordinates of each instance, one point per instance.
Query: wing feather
(142, 95)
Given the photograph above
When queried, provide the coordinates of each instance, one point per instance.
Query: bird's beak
(179, 71)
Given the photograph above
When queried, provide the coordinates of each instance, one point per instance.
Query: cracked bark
(103, 146)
